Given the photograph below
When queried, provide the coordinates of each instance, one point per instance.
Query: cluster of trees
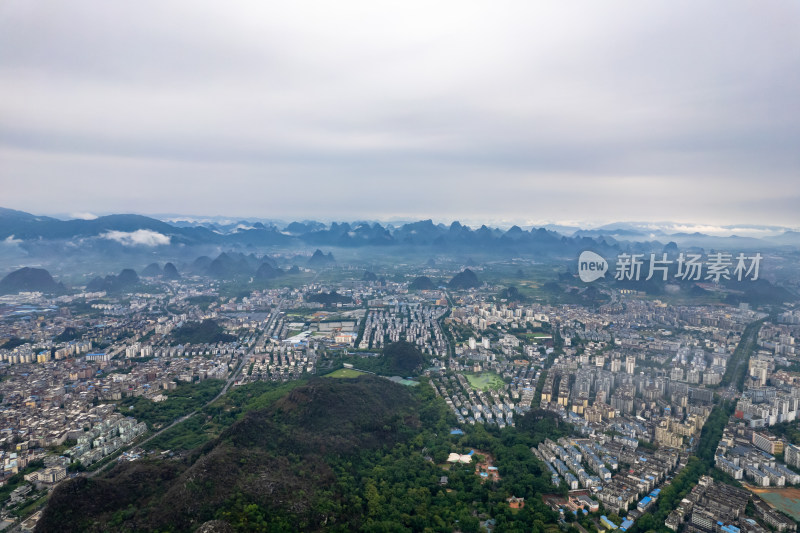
(400, 488)
(205, 332)
(203, 301)
(18, 479)
(399, 358)
(461, 332)
(737, 366)
(340, 455)
(213, 419)
(700, 464)
(512, 294)
(788, 430)
(791, 367)
(182, 400)
(67, 335)
(14, 342)
(328, 298)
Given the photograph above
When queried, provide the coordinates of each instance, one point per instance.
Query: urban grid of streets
(636, 377)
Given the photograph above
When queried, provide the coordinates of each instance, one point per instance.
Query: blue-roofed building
(608, 524)
(626, 524)
(644, 504)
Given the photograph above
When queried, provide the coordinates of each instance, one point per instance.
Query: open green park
(485, 381)
(344, 373)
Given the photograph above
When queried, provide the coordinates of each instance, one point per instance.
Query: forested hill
(29, 279)
(333, 454)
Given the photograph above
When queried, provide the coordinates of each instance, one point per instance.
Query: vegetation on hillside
(464, 280)
(328, 298)
(182, 400)
(126, 280)
(29, 279)
(421, 283)
(205, 332)
(211, 421)
(399, 359)
(512, 294)
(202, 301)
(69, 334)
(332, 454)
(13, 342)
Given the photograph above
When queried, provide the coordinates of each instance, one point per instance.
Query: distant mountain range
(740, 237)
(22, 229)
(128, 232)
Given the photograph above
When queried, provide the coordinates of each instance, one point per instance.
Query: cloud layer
(141, 237)
(612, 111)
(83, 216)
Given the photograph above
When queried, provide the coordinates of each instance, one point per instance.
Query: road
(742, 355)
(273, 317)
(231, 380)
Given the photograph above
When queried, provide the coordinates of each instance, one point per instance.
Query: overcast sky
(520, 111)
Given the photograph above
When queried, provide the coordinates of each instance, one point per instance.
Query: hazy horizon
(564, 226)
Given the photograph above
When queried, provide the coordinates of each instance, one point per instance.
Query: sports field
(787, 500)
(485, 380)
(344, 373)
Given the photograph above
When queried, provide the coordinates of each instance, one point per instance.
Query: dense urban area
(591, 410)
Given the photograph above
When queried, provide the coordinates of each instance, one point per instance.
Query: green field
(344, 373)
(485, 381)
(536, 335)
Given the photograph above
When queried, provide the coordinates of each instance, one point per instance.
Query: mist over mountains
(18, 227)
(103, 245)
